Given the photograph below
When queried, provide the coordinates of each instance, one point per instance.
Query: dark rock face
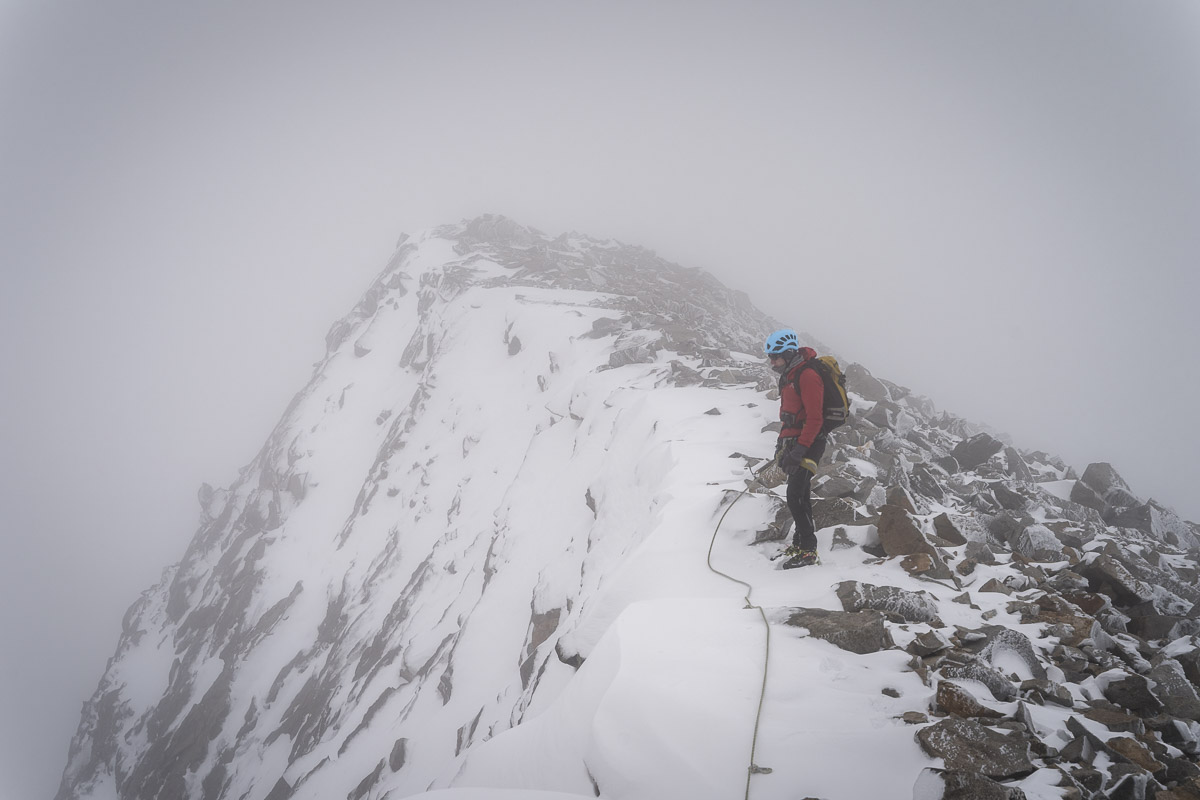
(973, 452)
(858, 632)
(970, 747)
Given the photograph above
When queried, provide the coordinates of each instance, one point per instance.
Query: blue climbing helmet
(781, 341)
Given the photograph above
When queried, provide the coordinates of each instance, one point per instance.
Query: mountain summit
(479, 558)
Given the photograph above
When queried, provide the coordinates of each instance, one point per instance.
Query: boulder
(928, 643)
(1001, 687)
(1037, 543)
(1091, 740)
(1104, 480)
(1065, 620)
(926, 480)
(899, 533)
(835, 486)
(1005, 525)
(954, 699)
(968, 746)
(959, 785)
(880, 415)
(1162, 626)
(1017, 467)
(1133, 692)
(683, 375)
(1000, 643)
(1115, 719)
(945, 529)
(1126, 785)
(637, 354)
(1084, 495)
(1137, 754)
(858, 632)
(1008, 498)
(1179, 769)
(1189, 659)
(778, 529)
(828, 512)
(1185, 790)
(979, 552)
(1178, 732)
(1152, 519)
(899, 496)
(925, 565)
(975, 451)
(1174, 690)
(1140, 517)
(1050, 691)
(948, 463)
(907, 606)
(1108, 576)
(860, 381)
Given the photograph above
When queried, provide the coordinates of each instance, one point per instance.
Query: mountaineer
(812, 401)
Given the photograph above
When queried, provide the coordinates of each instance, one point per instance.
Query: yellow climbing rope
(753, 769)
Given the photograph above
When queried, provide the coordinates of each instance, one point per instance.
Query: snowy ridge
(470, 564)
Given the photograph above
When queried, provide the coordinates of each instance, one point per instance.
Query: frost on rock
(971, 747)
(907, 606)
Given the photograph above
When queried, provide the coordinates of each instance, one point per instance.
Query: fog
(994, 204)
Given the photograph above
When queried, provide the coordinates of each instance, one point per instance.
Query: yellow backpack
(836, 408)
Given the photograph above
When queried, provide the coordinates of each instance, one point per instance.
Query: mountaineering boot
(797, 557)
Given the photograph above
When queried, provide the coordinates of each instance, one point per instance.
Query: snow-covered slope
(474, 556)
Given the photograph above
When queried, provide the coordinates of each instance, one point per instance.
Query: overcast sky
(993, 203)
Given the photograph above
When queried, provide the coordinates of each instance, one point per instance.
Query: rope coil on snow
(754, 769)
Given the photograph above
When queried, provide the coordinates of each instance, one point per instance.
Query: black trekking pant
(799, 500)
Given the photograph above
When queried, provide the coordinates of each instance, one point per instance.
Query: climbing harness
(754, 768)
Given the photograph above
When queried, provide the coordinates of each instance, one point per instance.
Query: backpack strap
(805, 365)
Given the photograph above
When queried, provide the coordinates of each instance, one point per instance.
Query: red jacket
(803, 413)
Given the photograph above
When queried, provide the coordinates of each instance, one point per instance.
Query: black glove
(793, 458)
